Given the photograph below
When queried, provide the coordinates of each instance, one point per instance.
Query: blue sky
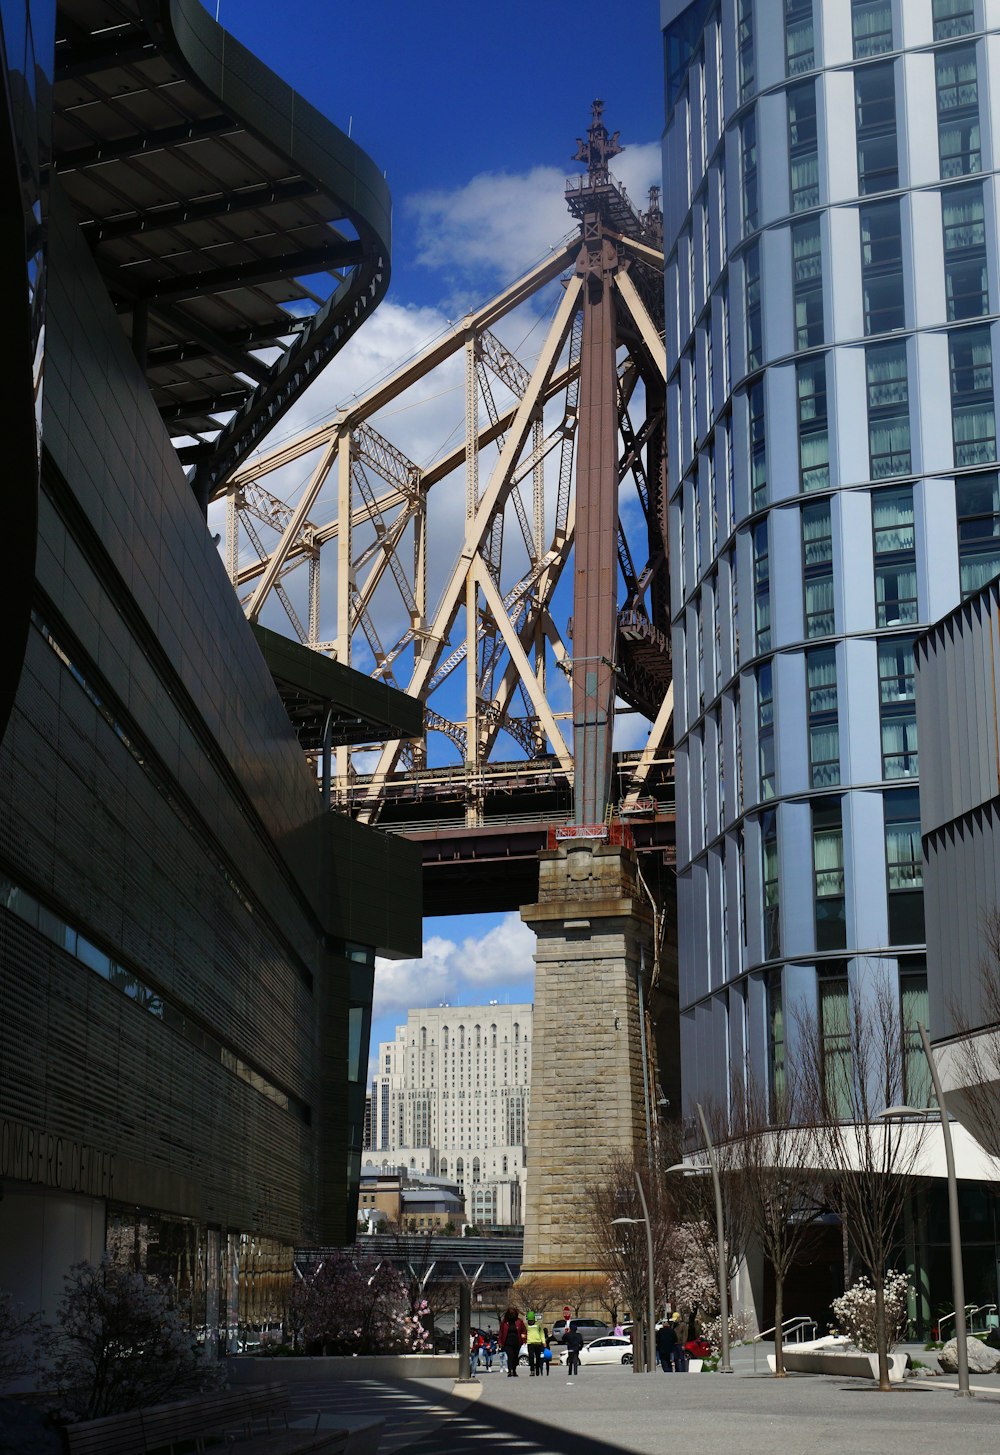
(472, 109)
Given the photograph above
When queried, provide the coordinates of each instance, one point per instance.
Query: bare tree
(622, 1249)
(857, 1070)
(773, 1157)
(535, 1294)
(694, 1197)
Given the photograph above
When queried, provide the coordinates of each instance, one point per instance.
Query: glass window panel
(744, 37)
(765, 729)
(888, 410)
(895, 557)
(914, 1010)
(762, 587)
(897, 708)
(802, 146)
(871, 25)
(973, 414)
(959, 138)
(817, 569)
(875, 102)
(772, 907)
(814, 439)
(800, 54)
(953, 17)
(966, 279)
(824, 732)
(882, 267)
(748, 168)
(758, 446)
(828, 870)
(904, 865)
(807, 283)
(752, 308)
(977, 505)
(835, 1041)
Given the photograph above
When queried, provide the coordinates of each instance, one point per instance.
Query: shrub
(119, 1344)
(20, 1335)
(741, 1326)
(357, 1305)
(854, 1312)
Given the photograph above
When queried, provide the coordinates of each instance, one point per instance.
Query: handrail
(971, 1309)
(796, 1323)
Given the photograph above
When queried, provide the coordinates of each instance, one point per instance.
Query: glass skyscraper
(831, 305)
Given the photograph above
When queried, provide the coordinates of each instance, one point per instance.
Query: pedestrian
(546, 1353)
(474, 1353)
(573, 1341)
(489, 1349)
(513, 1334)
(666, 1344)
(536, 1343)
(619, 1331)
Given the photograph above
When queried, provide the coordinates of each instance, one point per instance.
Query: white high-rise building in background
(450, 1098)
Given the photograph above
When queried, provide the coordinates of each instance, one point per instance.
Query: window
(776, 1038)
(965, 276)
(875, 101)
(828, 875)
(895, 557)
(817, 569)
(871, 24)
(882, 267)
(904, 866)
(953, 17)
(814, 437)
(973, 417)
(772, 908)
(765, 729)
(897, 707)
(761, 587)
(800, 53)
(807, 283)
(835, 1039)
(888, 411)
(751, 296)
(958, 111)
(913, 1009)
(744, 40)
(802, 146)
(758, 445)
(748, 172)
(824, 733)
(977, 505)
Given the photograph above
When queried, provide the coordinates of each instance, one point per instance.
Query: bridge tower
(594, 923)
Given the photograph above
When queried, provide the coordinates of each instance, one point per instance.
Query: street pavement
(609, 1410)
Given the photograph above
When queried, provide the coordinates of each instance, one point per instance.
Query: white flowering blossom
(854, 1312)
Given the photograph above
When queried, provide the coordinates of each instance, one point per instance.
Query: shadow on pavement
(477, 1422)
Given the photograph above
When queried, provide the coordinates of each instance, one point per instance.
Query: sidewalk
(611, 1411)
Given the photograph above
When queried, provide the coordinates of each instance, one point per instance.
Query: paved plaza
(611, 1411)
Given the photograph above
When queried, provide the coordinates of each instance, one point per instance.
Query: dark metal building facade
(187, 940)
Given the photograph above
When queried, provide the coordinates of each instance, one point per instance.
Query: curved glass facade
(832, 297)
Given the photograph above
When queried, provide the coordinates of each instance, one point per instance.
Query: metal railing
(795, 1325)
(971, 1310)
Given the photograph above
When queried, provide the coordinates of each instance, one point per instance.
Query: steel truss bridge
(554, 613)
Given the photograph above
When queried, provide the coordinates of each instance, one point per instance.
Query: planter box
(252, 1369)
(854, 1365)
(694, 1366)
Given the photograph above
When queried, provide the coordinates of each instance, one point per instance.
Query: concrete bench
(253, 1421)
(856, 1364)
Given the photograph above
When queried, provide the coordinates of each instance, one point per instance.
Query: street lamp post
(954, 1225)
(691, 1169)
(650, 1290)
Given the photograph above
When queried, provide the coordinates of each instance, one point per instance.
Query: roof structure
(242, 236)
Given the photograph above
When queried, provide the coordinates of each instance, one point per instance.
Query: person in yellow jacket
(536, 1343)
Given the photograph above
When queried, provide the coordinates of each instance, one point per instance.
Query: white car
(609, 1350)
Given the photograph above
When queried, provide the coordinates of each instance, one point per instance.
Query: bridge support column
(591, 922)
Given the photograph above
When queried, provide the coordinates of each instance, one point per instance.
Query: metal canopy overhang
(241, 235)
(314, 687)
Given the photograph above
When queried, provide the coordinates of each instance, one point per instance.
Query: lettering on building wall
(31, 1154)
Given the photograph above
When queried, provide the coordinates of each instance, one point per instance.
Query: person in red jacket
(513, 1333)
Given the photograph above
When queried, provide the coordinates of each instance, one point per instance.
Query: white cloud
(453, 970)
(500, 223)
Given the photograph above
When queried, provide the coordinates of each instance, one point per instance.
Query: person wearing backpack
(536, 1343)
(573, 1342)
(546, 1353)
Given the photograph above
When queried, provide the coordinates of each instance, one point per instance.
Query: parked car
(589, 1328)
(610, 1350)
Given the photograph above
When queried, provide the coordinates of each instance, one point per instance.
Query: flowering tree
(857, 1316)
(119, 1343)
(357, 1304)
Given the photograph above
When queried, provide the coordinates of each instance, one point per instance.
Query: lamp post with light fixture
(954, 1224)
(650, 1274)
(692, 1169)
